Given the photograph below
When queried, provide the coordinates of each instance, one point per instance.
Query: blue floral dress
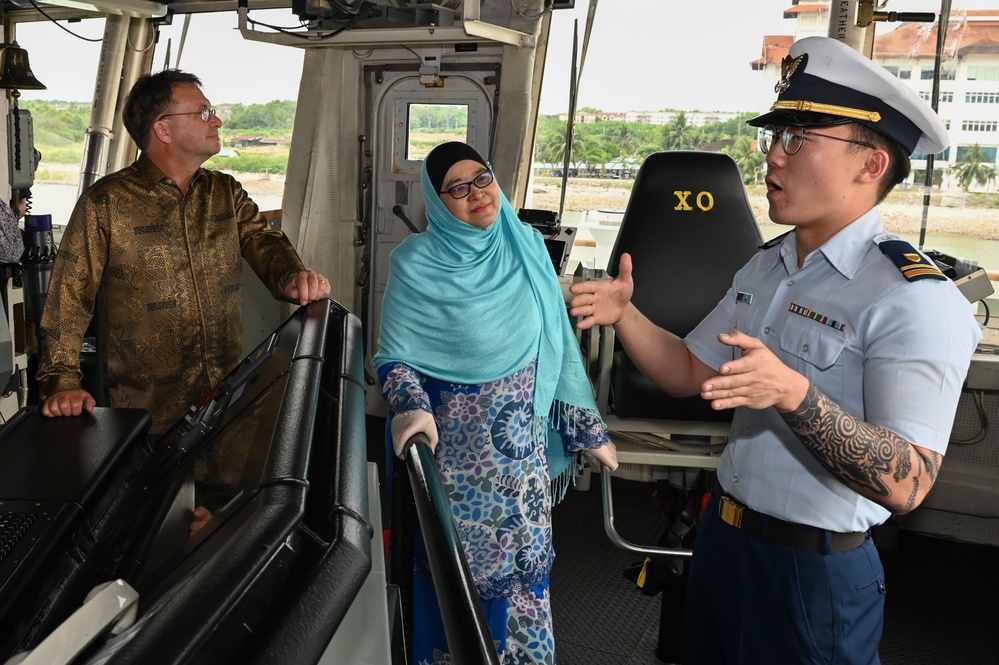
(494, 469)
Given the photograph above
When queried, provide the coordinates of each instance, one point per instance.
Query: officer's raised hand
(603, 302)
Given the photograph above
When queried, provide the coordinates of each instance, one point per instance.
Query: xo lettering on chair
(705, 200)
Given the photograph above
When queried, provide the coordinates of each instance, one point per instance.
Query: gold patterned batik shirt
(169, 268)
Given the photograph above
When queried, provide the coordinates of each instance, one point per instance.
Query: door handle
(401, 214)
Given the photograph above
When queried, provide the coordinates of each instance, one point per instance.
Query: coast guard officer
(843, 350)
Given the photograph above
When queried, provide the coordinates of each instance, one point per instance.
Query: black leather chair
(688, 227)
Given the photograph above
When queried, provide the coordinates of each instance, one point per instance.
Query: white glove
(408, 423)
(603, 456)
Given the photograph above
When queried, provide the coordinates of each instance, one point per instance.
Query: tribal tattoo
(870, 460)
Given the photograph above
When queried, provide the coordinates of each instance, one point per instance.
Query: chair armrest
(615, 537)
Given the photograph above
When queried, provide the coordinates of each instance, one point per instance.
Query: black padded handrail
(464, 622)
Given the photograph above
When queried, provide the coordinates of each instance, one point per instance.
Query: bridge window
(432, 124)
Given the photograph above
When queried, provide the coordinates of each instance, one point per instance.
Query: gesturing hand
(756, 380)
(602, 302)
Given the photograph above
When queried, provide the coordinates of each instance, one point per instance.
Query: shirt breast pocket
(812, 342)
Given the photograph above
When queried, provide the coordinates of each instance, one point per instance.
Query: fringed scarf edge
(564, 466)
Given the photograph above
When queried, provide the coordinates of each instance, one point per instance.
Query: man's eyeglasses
(205, 114)
(481, 181)
(792, 138)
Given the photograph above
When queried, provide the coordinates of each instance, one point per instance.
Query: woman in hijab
(476, 351)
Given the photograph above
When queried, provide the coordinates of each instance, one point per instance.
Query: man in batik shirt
(163, 240)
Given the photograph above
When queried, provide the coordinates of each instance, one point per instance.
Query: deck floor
(941, 607)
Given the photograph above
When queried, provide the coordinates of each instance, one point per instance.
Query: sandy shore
(902, 212)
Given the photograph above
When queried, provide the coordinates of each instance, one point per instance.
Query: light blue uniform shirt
(890, 352)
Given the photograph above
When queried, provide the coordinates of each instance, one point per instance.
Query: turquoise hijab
(472, 305)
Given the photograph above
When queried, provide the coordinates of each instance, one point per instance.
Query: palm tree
(624, 137)
(551, 147)
(678, 135)
(974, 167)
(750, 160)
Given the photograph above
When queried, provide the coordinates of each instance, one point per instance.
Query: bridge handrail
(465, 624)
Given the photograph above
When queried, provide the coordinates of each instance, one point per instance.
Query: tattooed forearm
(873, 461)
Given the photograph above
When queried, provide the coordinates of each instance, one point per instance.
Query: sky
(643, 55)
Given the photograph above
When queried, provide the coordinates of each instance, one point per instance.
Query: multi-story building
(968, 100)
(587, 117)
(694, 118)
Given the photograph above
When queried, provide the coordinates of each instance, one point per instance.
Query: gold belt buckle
(730, 512)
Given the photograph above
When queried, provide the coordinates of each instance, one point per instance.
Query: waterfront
(971, 247)
(980, 243)
(58, 199)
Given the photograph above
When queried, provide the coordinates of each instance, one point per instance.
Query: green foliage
(919, 176)
(56, 176)
(68, 154)
(420, 148)
(594, 145)
(275, 118)
(60, 130)
(973, 166)
(981, 200)
(679, 135)
(437, 117)
(44, 136)
(751, 162)
(58, 123)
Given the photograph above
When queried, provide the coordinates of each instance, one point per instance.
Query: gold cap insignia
(788, 67)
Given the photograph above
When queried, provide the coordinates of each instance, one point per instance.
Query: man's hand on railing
(408, 423)
(603, 456)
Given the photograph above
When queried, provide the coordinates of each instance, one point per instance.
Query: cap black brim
(797, 119)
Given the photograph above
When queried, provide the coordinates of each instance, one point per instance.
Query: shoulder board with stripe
(775, 241)
(913, 265)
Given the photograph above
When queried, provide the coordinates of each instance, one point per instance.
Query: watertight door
(408, 118)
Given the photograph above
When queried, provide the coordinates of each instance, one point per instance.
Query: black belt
(776, 530)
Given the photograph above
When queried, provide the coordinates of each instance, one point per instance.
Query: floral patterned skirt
(522, 622)
(493, 467)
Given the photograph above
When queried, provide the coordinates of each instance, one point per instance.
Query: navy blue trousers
(755, 602)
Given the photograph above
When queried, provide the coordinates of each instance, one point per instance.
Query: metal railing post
(468, 638)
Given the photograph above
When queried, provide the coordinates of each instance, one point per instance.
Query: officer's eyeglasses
(792, 138)
(481, 181)
(206, 114)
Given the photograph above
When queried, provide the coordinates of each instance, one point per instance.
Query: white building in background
(969, 87)
(694, 118)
